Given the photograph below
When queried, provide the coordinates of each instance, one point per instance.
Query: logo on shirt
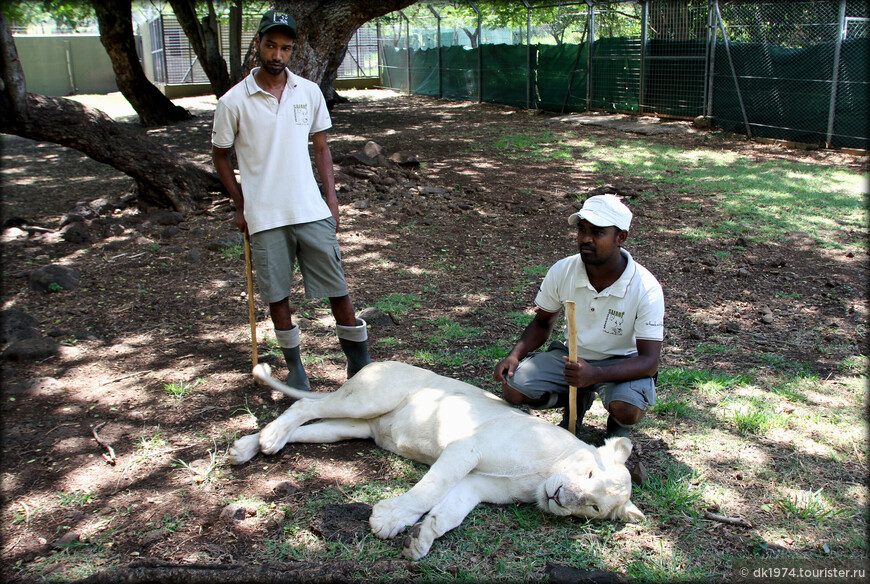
(613, 322)
(300, 114)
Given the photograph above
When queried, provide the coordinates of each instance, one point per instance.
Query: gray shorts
(314, 245)
(542, 373)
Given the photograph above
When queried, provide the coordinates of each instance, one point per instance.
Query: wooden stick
(739, 521)
(110, 454)
(570, 311)
(252, 315)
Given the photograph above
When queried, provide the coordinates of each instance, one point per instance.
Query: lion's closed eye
(590, 475)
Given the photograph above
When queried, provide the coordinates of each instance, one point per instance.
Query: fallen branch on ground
(110, 454)
(739, 521)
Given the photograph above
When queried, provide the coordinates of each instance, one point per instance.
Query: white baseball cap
(603, 211)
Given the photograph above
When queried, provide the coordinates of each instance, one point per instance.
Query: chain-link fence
(175, 63)
(794, 70)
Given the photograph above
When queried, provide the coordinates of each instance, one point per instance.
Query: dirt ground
(159, 304)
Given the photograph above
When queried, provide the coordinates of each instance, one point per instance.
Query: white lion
(480, 449)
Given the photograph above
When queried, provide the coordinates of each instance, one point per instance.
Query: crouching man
(620, 318)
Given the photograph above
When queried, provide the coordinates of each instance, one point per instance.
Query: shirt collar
(619, 287)
(251, 84)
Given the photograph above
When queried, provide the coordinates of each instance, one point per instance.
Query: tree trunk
(205, 40)
(164, 180)
(116, 33)
(324, 29)
(236, 42)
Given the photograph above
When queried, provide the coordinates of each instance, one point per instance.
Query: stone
(225, 242)
(165, 217)
(234, 512)
(75, 233)
(702, 123)
(639, 473)
(404, 158)
(62, 278)
(359, 158)
(169, 231)
(375, 317)
(66, 540)
(70, 218)
(568, 575)
(193, 256)
(153, 537)
(16, 325)
(286, 488)
(372, 149)
(13, 234)
(360, 204)
(30, 350)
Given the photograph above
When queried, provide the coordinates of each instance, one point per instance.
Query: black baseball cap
(274, 19)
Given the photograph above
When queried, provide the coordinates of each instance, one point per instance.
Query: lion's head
(596, 485)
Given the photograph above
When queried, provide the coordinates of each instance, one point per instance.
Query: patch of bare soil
(161, 306)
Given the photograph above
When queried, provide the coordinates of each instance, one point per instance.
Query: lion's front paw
(274, 436)
(389, 519)
(414, 546)
(244, 449)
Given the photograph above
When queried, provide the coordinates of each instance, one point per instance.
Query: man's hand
(239, 220)
(505, 369)
(581, 373)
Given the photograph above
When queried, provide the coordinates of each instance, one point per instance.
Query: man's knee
(511, 395)
(625, 413)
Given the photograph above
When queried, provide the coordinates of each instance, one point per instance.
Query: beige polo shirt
(608, 322)
(271, 139)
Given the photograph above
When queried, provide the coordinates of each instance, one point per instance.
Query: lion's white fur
(480, 449)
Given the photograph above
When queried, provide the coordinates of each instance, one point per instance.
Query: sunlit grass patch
(671, 491)
(398, 304)
(812, 506)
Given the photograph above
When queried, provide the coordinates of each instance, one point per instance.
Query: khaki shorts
(544, 373)
(274, 253)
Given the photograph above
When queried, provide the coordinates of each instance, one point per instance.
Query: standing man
(268, 118)
(620, 326)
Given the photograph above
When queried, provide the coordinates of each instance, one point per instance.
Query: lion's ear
(618, 448)
(628, 513)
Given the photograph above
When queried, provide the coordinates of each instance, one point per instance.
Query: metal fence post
(733, 71)
(835, 78)
(479, 51)
(710, 59)
(590, 41)
(438, 40)
(644, 22)
(408, 48)
(528, 54)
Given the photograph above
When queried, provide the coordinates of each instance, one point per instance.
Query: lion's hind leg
(327, 431)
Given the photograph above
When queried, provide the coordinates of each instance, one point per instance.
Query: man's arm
(535, 335)
(323, 162)
(224, 167)
(646, 364)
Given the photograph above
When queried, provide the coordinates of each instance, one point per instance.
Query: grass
(398, 304)
(179, 389)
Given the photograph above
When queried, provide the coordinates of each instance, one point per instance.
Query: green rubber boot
(354, 343)
(288, 341)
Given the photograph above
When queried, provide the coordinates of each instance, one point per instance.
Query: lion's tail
(263, 373)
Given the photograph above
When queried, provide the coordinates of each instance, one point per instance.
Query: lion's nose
(555, 496)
